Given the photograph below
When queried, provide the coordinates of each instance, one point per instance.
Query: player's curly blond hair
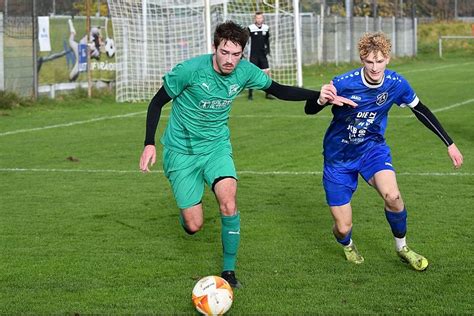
(374, 42)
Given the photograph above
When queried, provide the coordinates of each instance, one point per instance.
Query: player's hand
(329, 94)
(148, 158)
(455, 156)
(338, 100)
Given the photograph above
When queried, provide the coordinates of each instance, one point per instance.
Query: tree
(80, 6)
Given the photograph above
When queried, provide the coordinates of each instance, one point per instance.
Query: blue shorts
(340, 179)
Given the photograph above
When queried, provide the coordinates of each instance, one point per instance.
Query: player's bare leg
(225, 191)
(385, 183)
(192, 218)
(342, 230)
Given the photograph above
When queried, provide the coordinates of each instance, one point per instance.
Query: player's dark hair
(259, 13)
(231, 31)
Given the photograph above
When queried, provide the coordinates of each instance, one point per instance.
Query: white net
(153, 35)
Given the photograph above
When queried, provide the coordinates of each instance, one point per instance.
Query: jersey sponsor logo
(370, 116)
(381, 98)
(233, 89)
(205, 85)
(214, 104)
(356, 97)
(358, 127)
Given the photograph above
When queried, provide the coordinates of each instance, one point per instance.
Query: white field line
(434, 68)
(97, 119)
(455, 105)
(103, 118)
(250, 172)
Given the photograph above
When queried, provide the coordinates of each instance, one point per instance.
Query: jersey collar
(369, 85)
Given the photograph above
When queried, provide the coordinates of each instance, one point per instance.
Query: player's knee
(228, 208)
(393, 200)
(193, 227)
(342, 229)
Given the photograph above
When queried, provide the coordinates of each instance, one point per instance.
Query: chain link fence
(16, 48)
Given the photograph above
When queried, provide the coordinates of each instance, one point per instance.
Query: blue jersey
(354, 131)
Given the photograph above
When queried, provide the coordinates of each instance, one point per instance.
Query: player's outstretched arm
(327, 95)
(148, 156)
(312, 107)
(290, 93)
(424, 115)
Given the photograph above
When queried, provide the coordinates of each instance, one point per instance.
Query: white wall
(2, 72)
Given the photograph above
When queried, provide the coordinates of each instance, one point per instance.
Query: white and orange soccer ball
(212, 295)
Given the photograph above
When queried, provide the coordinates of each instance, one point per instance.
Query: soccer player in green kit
(196, 141)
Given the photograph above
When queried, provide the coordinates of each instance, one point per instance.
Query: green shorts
(188, 173)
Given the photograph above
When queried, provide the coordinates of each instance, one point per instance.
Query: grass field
(95, 236)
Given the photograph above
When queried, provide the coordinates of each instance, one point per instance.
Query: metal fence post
(2, 68)
(415, 36)
(35, 51)
(405, 37)
(312, 37)
(440, 47)
(336, 46)
(321, 35)
(394, 35)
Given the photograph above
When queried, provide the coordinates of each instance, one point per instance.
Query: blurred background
(329, 30)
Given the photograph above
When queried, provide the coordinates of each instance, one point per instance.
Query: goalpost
(450, 37)
(154, 35)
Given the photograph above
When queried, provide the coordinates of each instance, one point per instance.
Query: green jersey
(202, 100)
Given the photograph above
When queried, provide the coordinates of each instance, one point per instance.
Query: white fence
(334, 38)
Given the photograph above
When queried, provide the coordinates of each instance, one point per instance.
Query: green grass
(428, 34)
(98, 237)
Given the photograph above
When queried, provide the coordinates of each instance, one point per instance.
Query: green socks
(230, 240)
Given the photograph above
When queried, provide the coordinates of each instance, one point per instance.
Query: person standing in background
(259, 45)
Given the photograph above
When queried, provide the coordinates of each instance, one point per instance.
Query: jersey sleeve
(257, 78)
(407, 96)
(338, 84)
(177, 80)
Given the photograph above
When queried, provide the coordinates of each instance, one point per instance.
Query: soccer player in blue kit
(354, 144)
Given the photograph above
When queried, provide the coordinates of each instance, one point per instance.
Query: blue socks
(398, 222)
(346, 240)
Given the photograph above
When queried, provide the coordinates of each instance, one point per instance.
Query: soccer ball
(212, 295)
